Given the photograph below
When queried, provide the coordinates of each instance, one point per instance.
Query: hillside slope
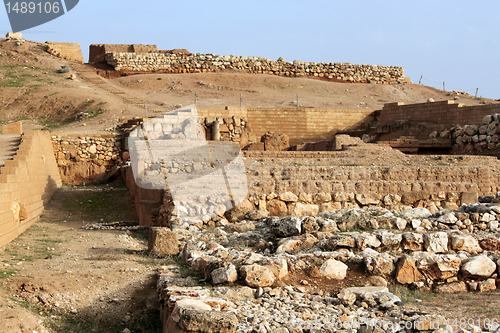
(31, 88)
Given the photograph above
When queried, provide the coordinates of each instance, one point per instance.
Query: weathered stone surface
(240, 211)
(162, 242)
(439, 266)
(302, 209)
(309, 225)
(391, 199)
(239, 227)
(257, 214)
(208, 321)
(478, 267)
(14, 35)
(330, 206)
(257, 276)
(329, 225)
(366, 240)
(333, 269)
(343, 197)
(276, 208)
(409, 198)
(368, 198)
(322, 197)
(287, 226)
(468, 198)
(288, 197)
(487, 285)
(226, 274)
(448, 218)
(377, 281)
(466, 243)
(454, 287)
(340, 241)
(382, 264)
(390, 240)
(400, 223)
(275, 141)
(188, 304)
(407, 272)
(436, 242)
(490, 244)
(346, 297)
(277, 265)
(416, 213)
(289, 246)
(412, 241)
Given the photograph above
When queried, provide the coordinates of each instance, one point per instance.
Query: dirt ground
(60, 277)
(31, 88)
(68, 279)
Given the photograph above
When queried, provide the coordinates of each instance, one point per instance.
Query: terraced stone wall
(26, 183)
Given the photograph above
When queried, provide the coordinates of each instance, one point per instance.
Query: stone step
(9, 145)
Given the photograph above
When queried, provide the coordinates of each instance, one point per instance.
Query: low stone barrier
(85, 158)
(203, 63)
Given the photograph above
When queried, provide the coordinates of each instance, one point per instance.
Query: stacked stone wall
(478, 138)
(204, 63)
(84, 159)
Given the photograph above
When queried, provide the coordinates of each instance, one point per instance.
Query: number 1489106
(32, 7)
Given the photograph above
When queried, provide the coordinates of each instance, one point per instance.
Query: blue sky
(457, 42)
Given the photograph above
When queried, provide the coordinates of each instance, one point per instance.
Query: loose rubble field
(78, 270)
(309, 273)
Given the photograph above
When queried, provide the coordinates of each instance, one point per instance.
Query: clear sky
(457, 41)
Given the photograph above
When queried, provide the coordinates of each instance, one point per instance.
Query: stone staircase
(9, 145)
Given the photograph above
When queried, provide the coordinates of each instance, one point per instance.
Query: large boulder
(275, 141)
(454, 287)
(257, 276)
(465, 243)
(409, 198)
(416, 213)
(436, 242)
(340, 241)
(302, 209)
(381, 264)
(225, 274)
(368, 198)
(439, 266)
(287, 226)
(333, 269)
(407, 272)
(412, 241)
(288, 197)
(276, 207)
(478, 267)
